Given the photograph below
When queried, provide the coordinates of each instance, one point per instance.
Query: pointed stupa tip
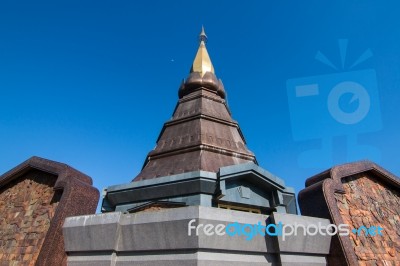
(203, 36)
(202, 62)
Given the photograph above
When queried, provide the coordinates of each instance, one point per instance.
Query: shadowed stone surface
(35, 198)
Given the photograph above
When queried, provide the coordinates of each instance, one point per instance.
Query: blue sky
(90, 83)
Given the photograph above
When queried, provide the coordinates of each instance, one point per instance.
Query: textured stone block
(161, 238)
(358, 194)
(35, 198)
(302, 243)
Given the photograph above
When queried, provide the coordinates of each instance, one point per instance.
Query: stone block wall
(357, 194)
(368, 202)
(162, 238)
(27, 205)
(35, 198)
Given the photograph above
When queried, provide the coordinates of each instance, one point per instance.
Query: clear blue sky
(90, 83)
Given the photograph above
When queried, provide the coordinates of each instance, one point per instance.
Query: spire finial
(202, 62)
(203, 36)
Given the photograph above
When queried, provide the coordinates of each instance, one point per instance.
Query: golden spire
(202, 62)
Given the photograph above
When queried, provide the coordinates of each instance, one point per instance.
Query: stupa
(201, 157)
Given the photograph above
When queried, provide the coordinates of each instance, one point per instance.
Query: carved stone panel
(361, 195)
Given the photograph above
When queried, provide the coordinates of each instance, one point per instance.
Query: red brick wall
(27, 205)
(370, 202)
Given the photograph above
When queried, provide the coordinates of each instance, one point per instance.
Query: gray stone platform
(161, 238)
(244, 184)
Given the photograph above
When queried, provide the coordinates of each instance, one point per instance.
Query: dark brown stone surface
(35, 198)
(200, 136)
(357, 194)
(27, 205)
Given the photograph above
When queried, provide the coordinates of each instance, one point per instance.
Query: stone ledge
(161, 238)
